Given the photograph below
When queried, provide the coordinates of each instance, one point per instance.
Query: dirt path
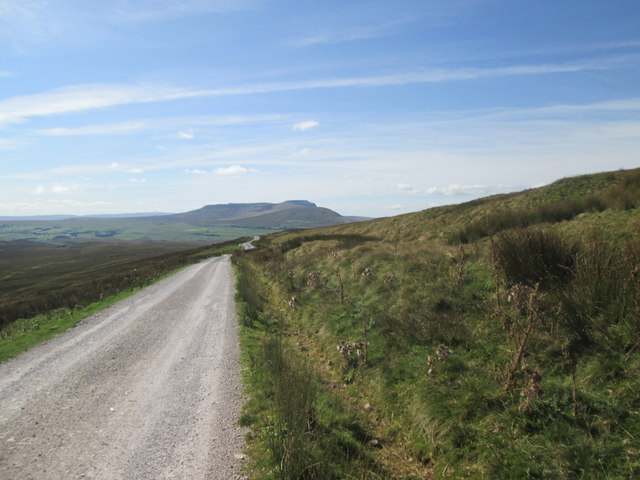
(147, 389)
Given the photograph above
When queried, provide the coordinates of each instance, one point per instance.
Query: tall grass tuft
(249, 300)
(288, 435)
(307, 434)
(623, 195)
(535, 256)
(626, 194)
(602, 303)
(548, 212)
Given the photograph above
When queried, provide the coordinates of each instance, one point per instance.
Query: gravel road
(148, 389)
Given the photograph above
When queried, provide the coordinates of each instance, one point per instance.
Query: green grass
(301, 428)
(514, 356)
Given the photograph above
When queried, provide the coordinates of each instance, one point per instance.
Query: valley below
(209, 224)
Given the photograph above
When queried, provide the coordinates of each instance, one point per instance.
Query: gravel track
(149, 388)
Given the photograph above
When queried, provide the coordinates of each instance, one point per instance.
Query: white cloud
(183, 135)
(107, 129)
(195, 171)
(476, 190)
(137, 180)
(555, 111)
(53, 206)
(155, 124)
(351, 33)
(79, 98)
(407, 188)
(151, 10)
(302, 126)
(28, 22)
(12, 144)
(302, 152)
(62, 189)
(39, 190)
(232, 170)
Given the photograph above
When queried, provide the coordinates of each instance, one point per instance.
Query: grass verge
(301, 428)
(511, 357)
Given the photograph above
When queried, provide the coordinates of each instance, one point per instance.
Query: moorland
(53, 269)
(47, 288)
(498, 338)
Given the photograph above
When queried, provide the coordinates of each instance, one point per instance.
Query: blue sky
(370, 107)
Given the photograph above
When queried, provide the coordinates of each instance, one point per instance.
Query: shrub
(535, 256)
(549, 212)
(601, 303)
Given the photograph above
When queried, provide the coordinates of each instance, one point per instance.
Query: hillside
(499, 338)
(280, 216)
(212, 223)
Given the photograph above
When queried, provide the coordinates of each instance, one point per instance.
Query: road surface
(147, 389)
(249, 245)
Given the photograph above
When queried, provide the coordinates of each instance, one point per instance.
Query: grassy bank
(302, 425)
(515, 355)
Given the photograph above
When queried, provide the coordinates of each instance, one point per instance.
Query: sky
(367, 107)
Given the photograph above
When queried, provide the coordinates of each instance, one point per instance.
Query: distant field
(147, 229)
(37, 278)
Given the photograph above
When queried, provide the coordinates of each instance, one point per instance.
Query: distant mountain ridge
(218, 222)
(285, 215)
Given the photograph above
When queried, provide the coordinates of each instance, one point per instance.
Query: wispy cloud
(148, 124)
(183, 135)
(110, 129)
(93, 96)
(474, 190)
(405, 187)
(83, 97)
(40, 21)
(621, 105)
(63, 189)
(307, 125)
(73, 171)
(350, 33)
(575, 48)
(12, 143)
(232, 170)
(150, 10)
(302, 152)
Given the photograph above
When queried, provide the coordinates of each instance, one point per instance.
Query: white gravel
(147, 389)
